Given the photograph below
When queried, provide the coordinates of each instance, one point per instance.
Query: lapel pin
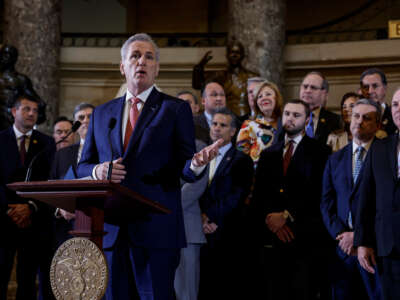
(34, 141)
(322, 120)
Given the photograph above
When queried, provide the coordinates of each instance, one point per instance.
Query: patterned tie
(22, 149)
(288, 156)
(358, 163)
(132, 118)
(310, 126)
(356, 172)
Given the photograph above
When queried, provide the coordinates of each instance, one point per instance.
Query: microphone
(74, 128)
(111, 125)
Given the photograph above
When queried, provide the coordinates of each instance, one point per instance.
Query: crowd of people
(290, 201)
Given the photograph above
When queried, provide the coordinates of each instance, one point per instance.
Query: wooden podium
(93, 201)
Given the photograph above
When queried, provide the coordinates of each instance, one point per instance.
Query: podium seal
(78, 271)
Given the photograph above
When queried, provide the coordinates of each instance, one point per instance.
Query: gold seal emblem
(78, 271)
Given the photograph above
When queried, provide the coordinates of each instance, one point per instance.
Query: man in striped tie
(340, 200)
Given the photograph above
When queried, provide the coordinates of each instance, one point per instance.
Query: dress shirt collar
(142, 96)
(208, 118)
(18, 133)
(296, 140)
(316, 112)
(366, 146)
(222, 150)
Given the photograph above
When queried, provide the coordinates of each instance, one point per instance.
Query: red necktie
(132, 118)
(22, 149)
(287, 157)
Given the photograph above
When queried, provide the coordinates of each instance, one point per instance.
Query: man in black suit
(230, 176)
(373, 85)
(378, 218)
(340, 198)
(66, 160)
(286, 201)
(314, 91)
(24, 222)
(212, 98)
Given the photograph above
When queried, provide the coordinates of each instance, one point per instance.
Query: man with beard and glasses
(285, 203)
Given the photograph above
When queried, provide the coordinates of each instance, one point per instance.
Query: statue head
(8, 57)
(235, 53)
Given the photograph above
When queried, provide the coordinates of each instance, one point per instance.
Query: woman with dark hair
(340, 138)
(259, 132)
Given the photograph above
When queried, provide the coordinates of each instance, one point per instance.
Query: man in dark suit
(314, 91)
(65, 165)
(212, 98)
(152, 148)
(230, 177)
(286, 201)
(25, 223)
(340, 198)
(373, 85)
(378, 219)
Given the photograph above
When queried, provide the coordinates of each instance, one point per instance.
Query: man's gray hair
(255, 80)
(227, 112)
(186, 92)
(143, 37)
(82, 106)
(377, 106)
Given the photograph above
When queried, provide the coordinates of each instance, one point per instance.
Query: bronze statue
(14, 85)
(233, 79)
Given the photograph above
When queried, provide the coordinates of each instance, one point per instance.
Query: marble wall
(92, 74)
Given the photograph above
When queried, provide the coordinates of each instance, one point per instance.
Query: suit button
(281, 190)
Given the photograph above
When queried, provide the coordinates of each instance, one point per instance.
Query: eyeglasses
(216, 95)
(312, 87)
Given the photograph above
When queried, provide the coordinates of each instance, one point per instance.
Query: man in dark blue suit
(230, 176)
(378, 218)
(24, 222)
(152, 148)
(286, 199)
(339, 204)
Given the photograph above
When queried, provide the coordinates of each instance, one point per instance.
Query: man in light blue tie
(339, 204)
(314, 91)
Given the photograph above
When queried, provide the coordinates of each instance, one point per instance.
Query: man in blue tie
(339, 204)
(314, 90)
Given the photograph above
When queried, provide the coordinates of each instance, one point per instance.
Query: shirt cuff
(195, 169)
(33, 206)
(287, 215)
(94, 172)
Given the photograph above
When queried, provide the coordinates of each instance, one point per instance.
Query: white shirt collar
(18, 133)
(222, 150)
(142, 96)
(296, 140)
(366, 146)
(208, 118)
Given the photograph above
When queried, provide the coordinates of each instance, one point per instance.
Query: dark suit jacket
(225, 195)
(387, 121)
(159, 153)
(378, 218)
(327, 123)
(298, 192)
(63, 160)
(339, 194)
(202, 130)
(12, 170)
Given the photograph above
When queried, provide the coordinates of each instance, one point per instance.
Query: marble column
(34, 28)
(260, 26)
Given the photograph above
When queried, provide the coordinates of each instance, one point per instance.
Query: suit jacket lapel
(225, 162)
(150, 109)
(116, 134)
(12, 142)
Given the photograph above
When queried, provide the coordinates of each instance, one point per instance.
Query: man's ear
(13, 111)
(121, 68)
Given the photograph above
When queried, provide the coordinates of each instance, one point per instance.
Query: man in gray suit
(187, 274)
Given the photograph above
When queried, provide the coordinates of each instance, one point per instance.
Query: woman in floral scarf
(259, 131)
